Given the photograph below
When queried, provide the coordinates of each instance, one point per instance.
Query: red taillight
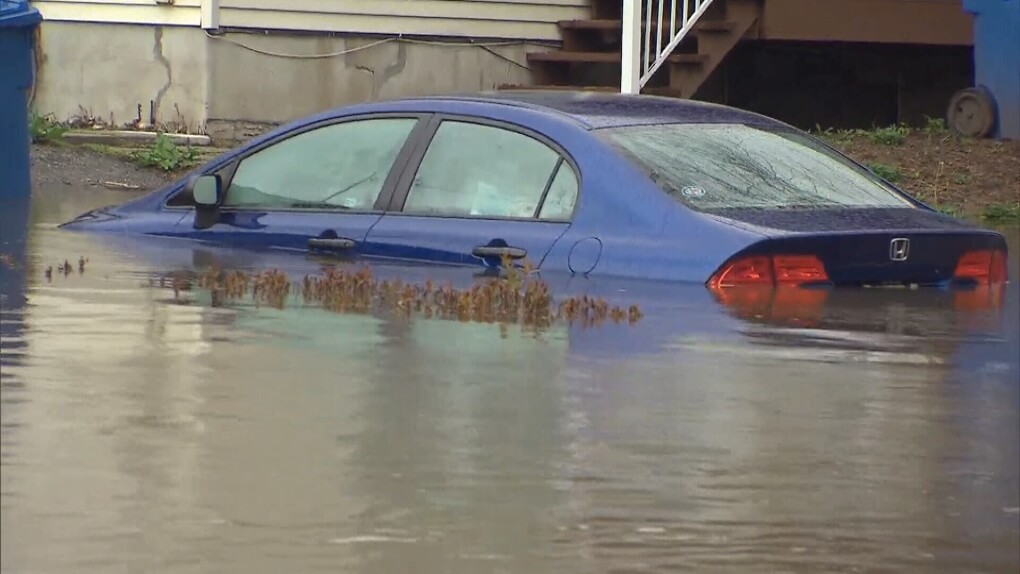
(771, 270)
(749, 270)
(984, 267)
(799, 269)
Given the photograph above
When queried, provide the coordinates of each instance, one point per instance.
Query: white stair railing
(639, 64)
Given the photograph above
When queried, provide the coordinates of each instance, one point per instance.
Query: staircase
(590, 58)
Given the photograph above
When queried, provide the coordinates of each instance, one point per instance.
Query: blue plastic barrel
(18, 22)
(992, 106)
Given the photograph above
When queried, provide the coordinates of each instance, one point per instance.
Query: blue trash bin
(18, 22)
(992, 107)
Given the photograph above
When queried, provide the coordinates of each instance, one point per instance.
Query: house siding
(180, 13)
(507, 19)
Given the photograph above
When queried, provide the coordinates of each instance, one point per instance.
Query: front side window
(485, 171)
(719, 166)
(340, 166)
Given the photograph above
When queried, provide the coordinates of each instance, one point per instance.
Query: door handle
(331, 243)
(491, 251)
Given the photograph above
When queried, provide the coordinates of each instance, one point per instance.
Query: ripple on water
(140, 432)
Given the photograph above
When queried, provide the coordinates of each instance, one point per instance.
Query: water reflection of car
(872, 320)
(597, 185)
(676, 316)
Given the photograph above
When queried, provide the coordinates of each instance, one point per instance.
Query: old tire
(971, 112)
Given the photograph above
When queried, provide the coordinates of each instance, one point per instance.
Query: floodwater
(872, 431)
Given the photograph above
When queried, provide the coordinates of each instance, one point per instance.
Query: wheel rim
(971, 113)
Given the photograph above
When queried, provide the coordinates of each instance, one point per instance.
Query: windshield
(719, 166)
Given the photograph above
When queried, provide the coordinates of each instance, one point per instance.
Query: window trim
(229, 169)
(410, 170)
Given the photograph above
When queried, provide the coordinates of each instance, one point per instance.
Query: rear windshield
(720, 166)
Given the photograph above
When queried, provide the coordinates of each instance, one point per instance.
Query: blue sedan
(592, 184)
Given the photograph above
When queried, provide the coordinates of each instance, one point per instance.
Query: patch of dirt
(54, 166)
(965, 175)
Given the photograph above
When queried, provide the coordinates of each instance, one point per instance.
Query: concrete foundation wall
(108, 70)
(250, 86)
(217, 84)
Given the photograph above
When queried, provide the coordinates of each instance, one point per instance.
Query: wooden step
(617, 25)
(592, 24)
(606, 58)
(689, 79)
(718, 26)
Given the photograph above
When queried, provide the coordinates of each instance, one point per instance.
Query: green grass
(115, 151)
(834, 135)
(890, 173)
(44, 129)
(951, 210)
(894, 135)
(1002, 213)
(890, 135)
(935, 126)
(166, 155)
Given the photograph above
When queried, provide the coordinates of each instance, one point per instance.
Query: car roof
(596, 110)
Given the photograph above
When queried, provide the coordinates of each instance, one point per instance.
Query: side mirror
(208, 191)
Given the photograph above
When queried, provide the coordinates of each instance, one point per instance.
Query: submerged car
(583, 183)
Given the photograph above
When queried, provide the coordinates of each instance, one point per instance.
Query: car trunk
(873, 246)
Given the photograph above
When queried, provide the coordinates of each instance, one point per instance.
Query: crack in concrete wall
(371, 72)
(392, 69)
(394, 65)
(157, 54)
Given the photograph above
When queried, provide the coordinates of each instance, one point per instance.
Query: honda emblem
(899, 249)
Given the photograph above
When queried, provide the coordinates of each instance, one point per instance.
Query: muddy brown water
(875, 432)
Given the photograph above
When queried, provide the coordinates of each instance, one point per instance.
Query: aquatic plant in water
(516, 295)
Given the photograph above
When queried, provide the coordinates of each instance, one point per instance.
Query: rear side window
(473, 170)
(559, 202)
(719, 166)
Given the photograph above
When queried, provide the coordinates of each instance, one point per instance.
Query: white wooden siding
(511, 19)
(180, 13)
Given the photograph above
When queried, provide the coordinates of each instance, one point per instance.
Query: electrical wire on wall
(486, 46)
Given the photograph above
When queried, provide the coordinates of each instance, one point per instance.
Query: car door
(478, 190)
(319, 189)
